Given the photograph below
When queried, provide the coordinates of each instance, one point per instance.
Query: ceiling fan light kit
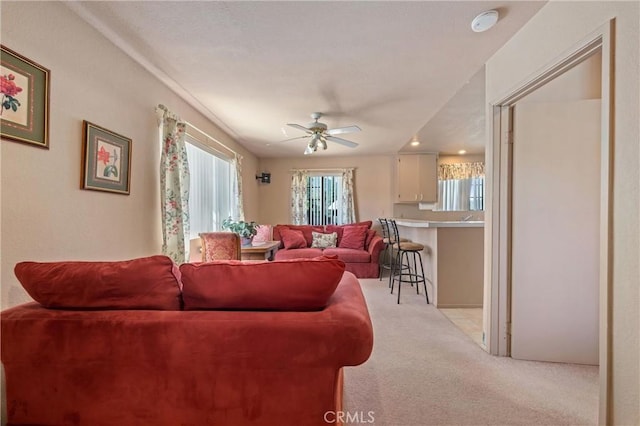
(320, 134)
(484, 21)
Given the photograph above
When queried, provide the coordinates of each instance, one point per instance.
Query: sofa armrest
(375, 248)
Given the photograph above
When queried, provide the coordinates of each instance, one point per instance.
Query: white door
(555, 231)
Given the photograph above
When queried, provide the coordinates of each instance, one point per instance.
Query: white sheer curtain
(348, 211)
(211, 191)
(299, 200)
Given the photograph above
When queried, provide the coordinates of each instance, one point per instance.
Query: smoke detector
(484, 21)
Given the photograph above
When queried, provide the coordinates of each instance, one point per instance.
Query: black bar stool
(387, 251)
(388, 255)
(405, 268)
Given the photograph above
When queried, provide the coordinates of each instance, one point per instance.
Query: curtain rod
(205, 134)
(211, 138)
(334, 169)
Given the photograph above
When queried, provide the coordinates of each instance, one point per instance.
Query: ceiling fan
(320, 134)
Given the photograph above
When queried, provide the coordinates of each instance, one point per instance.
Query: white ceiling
(388, 67)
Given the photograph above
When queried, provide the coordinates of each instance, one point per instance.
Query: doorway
(500, 235)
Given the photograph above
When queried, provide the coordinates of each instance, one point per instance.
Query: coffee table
(264, 251)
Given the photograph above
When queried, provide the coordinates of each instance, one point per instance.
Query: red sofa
(362, 261)
(129, 343)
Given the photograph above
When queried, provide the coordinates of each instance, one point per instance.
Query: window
(461, 187)
(476, 194)
(324, 200)
(210, 188)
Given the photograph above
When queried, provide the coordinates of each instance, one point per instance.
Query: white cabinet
(417, 178)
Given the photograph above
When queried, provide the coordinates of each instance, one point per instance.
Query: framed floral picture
(106, 160)
(24, 108)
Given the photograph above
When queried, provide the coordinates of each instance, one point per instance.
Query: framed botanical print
(106, 160)
(24, 108)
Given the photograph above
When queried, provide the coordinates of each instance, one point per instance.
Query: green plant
(240, 227)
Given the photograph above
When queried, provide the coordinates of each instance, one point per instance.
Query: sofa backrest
(307, 231)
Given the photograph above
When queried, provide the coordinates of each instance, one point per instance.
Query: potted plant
(246, 230)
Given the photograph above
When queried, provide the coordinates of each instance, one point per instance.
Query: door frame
(498, 233)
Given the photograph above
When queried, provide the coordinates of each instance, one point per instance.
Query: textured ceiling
(388, 67)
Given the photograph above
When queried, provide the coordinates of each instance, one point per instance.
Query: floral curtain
(299, 197)
(460, 170)
(174, 187)
(348, 212)
(237, 206)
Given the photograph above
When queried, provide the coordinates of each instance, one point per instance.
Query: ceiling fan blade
(299, 127)
(341, 130)
(296, 138)
(342, 141)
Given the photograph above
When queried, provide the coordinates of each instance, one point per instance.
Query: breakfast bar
(453, 259)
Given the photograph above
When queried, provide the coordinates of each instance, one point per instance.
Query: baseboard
(457, 306)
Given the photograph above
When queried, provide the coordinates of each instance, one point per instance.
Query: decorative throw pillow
(263, 234)
(353, 237)
(293, 239)
(340, 228)
(145, 283)
(281, 285)
(321, 240)
(370, 234)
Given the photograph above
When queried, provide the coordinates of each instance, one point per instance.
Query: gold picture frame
(24, 106)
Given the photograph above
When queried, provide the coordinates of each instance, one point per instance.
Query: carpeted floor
(425, 371)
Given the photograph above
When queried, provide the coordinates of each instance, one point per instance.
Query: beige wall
(44, 214)
(372, 181)
(554, 30)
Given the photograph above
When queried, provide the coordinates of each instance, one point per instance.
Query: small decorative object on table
(246, 230)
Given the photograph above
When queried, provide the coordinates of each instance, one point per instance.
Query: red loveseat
(361, 260)
(135, 343)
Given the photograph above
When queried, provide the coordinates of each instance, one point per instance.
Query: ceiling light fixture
(484, 21)
(415, 141)
(462, 152)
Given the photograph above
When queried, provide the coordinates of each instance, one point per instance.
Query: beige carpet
(425, 371)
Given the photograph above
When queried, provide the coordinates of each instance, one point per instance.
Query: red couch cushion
(353, 237)
(292, 239)
(348, 255)
(145, 283)
(305, 229)
(301, 253)
(283, 285)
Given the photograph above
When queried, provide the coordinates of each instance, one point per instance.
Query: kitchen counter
(420, 223)
(453, 259)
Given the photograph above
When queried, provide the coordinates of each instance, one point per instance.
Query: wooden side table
(264, 251)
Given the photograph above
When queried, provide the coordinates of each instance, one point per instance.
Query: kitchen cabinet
(417, 178)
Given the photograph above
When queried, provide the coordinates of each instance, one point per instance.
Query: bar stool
(388, 250)
(402, 270)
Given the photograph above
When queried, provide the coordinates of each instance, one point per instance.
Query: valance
(461, 170)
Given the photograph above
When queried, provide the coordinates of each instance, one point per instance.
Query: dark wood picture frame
(106, 160)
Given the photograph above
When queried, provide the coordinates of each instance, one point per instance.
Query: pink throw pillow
(263, 234)
(281, 285)
(146, 283)
(353, 237)
(293, 239)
